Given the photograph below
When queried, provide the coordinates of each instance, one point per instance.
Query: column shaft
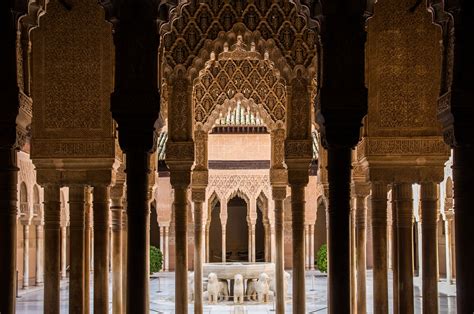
(429, 223)
(463, 175)
(181, 250)
(361, 217)
(279, 265)
(8, 227)
(116, 210)
(339, 177)
(395, 249)
(39, 254)
(101, 249)
(253, 243)
(138, 224)
(311, 247)
(224, 241)
(354, 292)
(87, 248)
(167, 248)
(298, 228)
(63, 252)
(198, 298)
(52, 248)
(26, 256)
(77, 228)
(124, 258)
(405, 247)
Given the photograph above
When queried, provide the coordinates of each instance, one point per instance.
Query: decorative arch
(194, 23)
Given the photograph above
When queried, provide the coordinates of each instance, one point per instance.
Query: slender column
(306, 246)
(394, 249)
(339, 177)
(360, 219)
(311, 247)
(52, 248)
(298, 217)
(207, 243)
(429, 217)
(124, 259)
(77, 228)
(101, 249)
(39, 254)
(379, 244)
(405, 247)
(252, 236)
(181, 250)
(167, 248)
(463, 175)
(26, 255)
(224, 241)
(116, 250)
(354, 291)
(87, 248)
(138, 221)
(279, 194)
(63, 252)
(162, 239)
(449, 246)
(198, 196)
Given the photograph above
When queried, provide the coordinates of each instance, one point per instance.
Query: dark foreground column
(339, 178)
(279, 195)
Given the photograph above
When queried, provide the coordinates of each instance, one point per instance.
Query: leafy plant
(322, 259)
(156, 259)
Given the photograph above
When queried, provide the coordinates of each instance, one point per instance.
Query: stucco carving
(251, 185)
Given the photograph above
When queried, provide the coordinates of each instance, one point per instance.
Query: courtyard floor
(162, 298)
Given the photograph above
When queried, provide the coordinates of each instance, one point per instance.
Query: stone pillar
(429, 219)
(198, 197)
(339, 178)
(77, 236)
(63, 252)
(405, 247)
(101, 248)
(379, 244)
(450, 261)
(124, 259)
(311, 247)
(279, 195)
(306, 246)
(116, 209)
(167, 248)
(87, 247)
(180, 179)
(252, 237)
(298, 179)
(395, 249)
(223, 218)
(39, 254)
(207, 242)
(361, 249)
(26, 255)
(52, 248)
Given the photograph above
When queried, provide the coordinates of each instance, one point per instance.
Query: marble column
(167, 248)
(298, 181)
(429, 222)
(52, 248)
(26, 255)
(463, 175)
(252, 237)
(207, 242)
(404, 201)
(77, 236)
(394, 249)
(39, 254)
(198, 197)
(180, 180)
(353, 261)
(279, 195)
(223, 241)
(101, 248)
(311, 247)
(361, 240)
(87, 248)
(306, 246)
(450, 261)
(339, 178)
(116, 209)
(124, 259)
(63, 252)
(379, 245)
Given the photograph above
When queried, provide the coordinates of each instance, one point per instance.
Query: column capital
(198, 195)
(200, 178)
(279, 192)
(361, 189)
(180, 174)
(278, 177)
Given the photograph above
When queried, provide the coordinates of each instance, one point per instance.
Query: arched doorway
(237, 230)
(215, 235)
(259, 237)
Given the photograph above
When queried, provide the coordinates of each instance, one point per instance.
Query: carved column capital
(279, 193)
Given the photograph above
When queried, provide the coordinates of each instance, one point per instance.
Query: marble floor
(162, 298)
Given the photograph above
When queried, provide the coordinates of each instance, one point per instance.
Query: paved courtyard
(162, 298)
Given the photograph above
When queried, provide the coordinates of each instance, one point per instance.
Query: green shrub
(156, 259)
(322, 259)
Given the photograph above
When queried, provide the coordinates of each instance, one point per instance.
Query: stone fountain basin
(246, 269)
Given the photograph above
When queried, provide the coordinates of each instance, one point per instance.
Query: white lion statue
(238, 289)
(263, 288)
(223, 290)
(212, 288)
(286, 280)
